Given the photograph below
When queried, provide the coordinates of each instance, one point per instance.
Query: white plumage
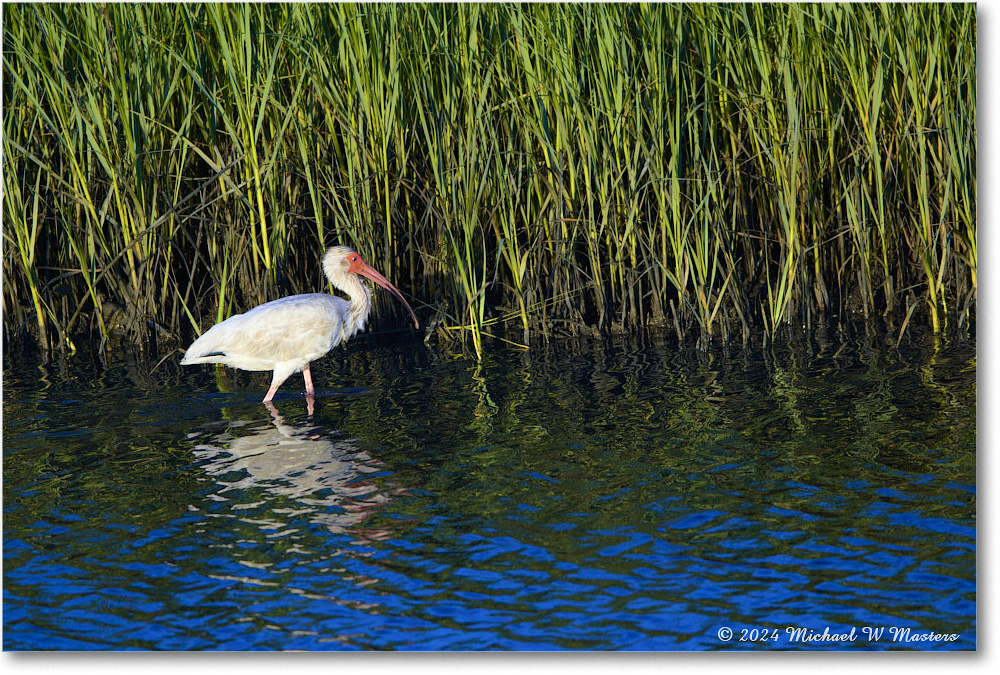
(287, 334)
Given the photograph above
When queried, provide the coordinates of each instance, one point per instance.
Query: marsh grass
(521, 171)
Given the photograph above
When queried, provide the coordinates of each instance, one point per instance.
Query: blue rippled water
(618, 495)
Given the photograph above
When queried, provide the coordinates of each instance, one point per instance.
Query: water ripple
(638, 499)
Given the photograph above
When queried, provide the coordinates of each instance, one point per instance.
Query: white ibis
(287, 334)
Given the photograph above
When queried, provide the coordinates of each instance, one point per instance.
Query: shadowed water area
(620, 494)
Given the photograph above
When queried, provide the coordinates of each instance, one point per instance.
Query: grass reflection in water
(595, 495)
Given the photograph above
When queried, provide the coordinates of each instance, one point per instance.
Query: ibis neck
(361, 304)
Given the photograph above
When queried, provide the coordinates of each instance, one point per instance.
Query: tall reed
(520, 170)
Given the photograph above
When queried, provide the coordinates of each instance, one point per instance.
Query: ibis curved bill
(287, 334)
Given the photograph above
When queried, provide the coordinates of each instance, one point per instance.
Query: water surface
(626, 495)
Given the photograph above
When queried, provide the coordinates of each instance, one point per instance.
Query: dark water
(620, 495)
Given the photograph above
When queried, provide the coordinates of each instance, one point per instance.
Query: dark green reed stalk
(519, 170)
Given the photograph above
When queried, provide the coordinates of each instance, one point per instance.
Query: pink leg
(307, 376)
(271, 392)
(281, 374)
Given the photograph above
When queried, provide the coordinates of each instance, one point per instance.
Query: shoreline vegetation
(519, 171)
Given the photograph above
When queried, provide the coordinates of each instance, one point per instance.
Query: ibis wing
(296, 329)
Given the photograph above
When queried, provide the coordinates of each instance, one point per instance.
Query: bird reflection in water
(300, 468)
